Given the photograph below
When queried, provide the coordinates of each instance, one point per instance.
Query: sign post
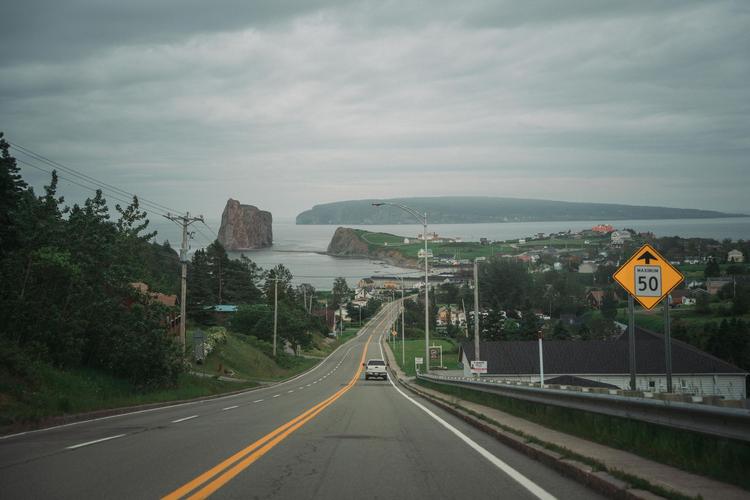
(417, 362)
(436, 355)
(478, 367)
(648, 278)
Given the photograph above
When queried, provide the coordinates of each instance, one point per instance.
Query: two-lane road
(327, 434)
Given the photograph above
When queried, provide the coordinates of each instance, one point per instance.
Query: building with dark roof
(606, 361)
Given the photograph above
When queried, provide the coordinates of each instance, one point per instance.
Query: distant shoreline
(582, 219)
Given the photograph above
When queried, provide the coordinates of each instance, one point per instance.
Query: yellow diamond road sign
(648, 277)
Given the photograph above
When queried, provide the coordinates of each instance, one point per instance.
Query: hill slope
(468, 209)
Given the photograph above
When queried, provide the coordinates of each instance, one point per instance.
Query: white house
(606, 362)
(620, 237)
(735, 256)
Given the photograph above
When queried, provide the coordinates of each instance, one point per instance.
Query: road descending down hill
(326, 434)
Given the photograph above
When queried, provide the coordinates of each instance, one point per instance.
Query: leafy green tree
(504, 285)
(12, 190)
(703, 303)
(741, 299)
(284, 277)
(340, 293)
(255, 320)
(559, 332)
(712, 269)
(609, 305)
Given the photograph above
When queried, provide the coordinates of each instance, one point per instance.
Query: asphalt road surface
(327, 434)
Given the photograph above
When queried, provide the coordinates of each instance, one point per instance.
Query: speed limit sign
(647, 276)
(648, 281)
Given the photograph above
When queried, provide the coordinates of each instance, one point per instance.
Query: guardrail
(731, 423)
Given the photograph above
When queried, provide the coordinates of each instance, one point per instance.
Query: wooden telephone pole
(184, 221)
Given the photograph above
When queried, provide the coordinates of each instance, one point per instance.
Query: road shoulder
(613, 472)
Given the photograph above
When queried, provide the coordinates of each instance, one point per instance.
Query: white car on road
(375, 368)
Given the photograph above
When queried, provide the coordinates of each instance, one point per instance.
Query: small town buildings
(684, 297)
(595, 298)
(450, 315)
(167, 300)
(606, 361)
(713, 285)
(588, 267)
(620, 237)
(735, 256)
(602, 228)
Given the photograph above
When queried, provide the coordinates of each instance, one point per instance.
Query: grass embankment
(52, 392)
(55, 392)
(249, 359)
(415, 349)
(720, 458)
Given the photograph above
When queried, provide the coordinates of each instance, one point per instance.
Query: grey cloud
(295, 104)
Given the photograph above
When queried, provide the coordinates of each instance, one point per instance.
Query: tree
(279, 273)
(609, 305)
(340, 293)
(703, 303)
(741, 300)
(712, 269)
(559, 332)
(12, 190)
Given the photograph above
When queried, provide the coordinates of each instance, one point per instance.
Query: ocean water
(300, 248)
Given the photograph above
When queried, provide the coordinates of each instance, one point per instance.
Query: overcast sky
(288, 104)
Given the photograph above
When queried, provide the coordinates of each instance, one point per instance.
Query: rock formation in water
(244, 227)
(348, 242)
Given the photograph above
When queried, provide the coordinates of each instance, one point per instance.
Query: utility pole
(184, 221)
(476, 307)
(275, 312)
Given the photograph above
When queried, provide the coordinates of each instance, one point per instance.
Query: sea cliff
(245, 227)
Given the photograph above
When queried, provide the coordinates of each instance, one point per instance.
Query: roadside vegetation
(79, 331)
(720, 458)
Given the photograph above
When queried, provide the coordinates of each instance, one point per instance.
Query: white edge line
(183, 419)
(81, 445)
(230, 408)
(532, 487)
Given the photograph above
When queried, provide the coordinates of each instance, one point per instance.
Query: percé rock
(244, 227)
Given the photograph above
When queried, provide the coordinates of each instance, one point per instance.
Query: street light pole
(421, 217)
(476, 307)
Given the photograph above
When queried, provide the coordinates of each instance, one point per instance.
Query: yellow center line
(259, 448)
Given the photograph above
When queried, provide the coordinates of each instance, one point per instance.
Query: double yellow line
(232, 466)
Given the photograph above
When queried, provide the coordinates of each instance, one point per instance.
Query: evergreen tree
(712, 269)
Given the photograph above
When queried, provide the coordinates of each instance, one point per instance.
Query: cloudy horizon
(285, 105)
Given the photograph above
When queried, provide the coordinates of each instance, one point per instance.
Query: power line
(88, 178)
(67, 179)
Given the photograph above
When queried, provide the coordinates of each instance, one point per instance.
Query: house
(167, 300)
(595, 298)
(571, 320)
(620, 237)
(735, 256)
(603, 229)
(606, 361)
(713, 285)
(683, 297)
(588, 267)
